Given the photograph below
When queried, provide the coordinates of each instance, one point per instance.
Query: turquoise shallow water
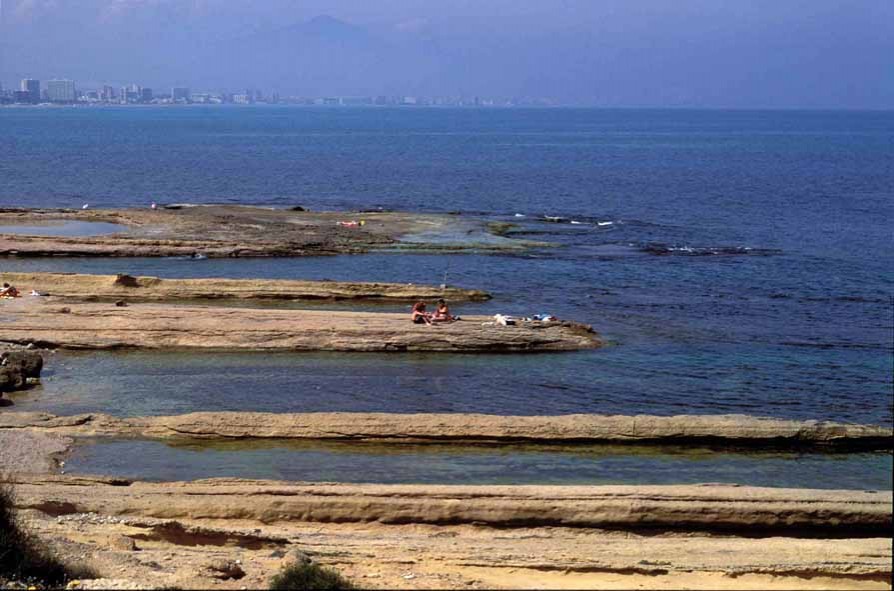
(457, 464)
(150, 383)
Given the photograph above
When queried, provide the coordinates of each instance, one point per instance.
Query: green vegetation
(307, 575)
(23, 557)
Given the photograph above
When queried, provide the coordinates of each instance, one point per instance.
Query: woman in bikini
(442, 314)
(9, 291)
(420, 316)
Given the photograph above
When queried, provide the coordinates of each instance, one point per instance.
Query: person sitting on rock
(442, 314)
(9, 291)
(420, 316)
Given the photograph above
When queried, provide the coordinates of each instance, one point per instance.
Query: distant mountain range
(322, 28)
(325, 55)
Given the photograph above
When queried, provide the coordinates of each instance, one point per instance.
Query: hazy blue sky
(736, 53)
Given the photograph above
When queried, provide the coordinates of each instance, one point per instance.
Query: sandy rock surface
(719, 508)
(86, 520)
(72, 286)
(30, 451)
(240, 231)
(438, 428)
(49, 323)
(233, 533)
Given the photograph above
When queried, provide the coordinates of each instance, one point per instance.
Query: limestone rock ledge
(74, 286)
(475, 428)
(177, 553)
(709, 507)
(52, 324)
(241, 231)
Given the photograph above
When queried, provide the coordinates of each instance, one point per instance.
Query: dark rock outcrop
(17, 367)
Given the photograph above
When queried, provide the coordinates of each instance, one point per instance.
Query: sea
(733, 261)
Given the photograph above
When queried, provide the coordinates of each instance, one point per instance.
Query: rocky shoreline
(433, 537)
(229, 533)
(235, 534)
(219, 231)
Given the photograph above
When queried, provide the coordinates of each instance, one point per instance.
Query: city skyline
(66, 91)
(693, 53)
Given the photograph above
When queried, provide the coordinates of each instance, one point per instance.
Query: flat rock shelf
(84, 287)
(708, 507)
(240, 231)
(472, 428)
(52, 324)
(479, 537)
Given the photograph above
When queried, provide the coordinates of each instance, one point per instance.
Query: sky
(615, 53)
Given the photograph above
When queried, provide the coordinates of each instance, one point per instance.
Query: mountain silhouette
(323, 55)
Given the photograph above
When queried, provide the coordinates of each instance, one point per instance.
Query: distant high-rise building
(32, 87)
(61, 91)
(180, 94)
(22, 97)
(354, 101)
(108, 93)
(131, 94)
(146, 95)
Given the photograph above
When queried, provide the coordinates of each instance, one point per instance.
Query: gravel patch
(31, 453)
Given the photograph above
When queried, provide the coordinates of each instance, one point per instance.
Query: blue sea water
(746, 268)
(461, 464)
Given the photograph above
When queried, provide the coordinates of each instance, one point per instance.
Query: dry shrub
(23, 557)
(310, 576)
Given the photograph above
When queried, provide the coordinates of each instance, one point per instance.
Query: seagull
(85, 206)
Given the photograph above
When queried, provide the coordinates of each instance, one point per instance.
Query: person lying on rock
(442, 314)
(420, 316)
(9, 291)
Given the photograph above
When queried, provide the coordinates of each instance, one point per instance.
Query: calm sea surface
(746, 268)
